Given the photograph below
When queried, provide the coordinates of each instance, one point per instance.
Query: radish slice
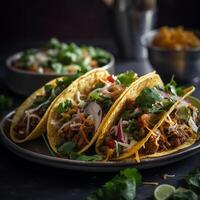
(94, 109)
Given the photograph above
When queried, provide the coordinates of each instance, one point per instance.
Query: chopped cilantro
(172, 88)
(147, 98)
(95, 96)
(64, 106)
(83, 157)
(127, 78)
(66, 148)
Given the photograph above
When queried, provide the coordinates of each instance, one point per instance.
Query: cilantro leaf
(66, 148)
(173, 88)
(83, 157)
(106, 102)
(64, 106)
(48, 89)
(147, 98)
(183, 194)
(193, 179)
(127, 78)
(122, 186)
(95, 96)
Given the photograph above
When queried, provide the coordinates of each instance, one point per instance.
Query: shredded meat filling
(169, 138)
(80, 131)
(20, 128)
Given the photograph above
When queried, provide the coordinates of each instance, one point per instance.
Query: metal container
(184, 64)
(25, 82)
(132, 19)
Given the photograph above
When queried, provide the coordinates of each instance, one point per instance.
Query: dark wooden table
(21, 179)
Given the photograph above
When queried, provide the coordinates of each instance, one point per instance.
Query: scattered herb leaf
(122, 186)
(193, 179)
(183, 194)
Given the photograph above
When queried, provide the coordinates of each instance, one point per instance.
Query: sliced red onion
(94, 109)
(164, 94)
(120, 133)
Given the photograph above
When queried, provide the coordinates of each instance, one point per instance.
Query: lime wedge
(163, 192)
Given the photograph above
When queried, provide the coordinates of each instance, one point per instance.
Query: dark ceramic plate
(36, 151)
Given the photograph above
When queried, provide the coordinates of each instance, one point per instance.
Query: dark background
(22, 20)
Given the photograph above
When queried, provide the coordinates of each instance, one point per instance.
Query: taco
(30, 119)
(78, 116)
(152, 119)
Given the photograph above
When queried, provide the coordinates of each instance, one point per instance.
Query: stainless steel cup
(133, 18)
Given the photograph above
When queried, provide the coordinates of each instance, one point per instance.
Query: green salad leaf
(127, 78)
(122, 186)
(53, 44)
(57, 67)
(24, 59)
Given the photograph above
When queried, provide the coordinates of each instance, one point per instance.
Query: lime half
(163, 192)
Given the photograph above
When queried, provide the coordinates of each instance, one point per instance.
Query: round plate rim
(94, 166)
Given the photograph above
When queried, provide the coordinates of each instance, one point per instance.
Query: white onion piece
(94, 109)
(123, 144)
(164, 94)
(75, 124)
(65, 124)
(81, 103)
(27, 124)
(35, 116)
(192, 125)
(37, 108)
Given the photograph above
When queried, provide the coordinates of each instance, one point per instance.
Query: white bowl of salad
(30, 69)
